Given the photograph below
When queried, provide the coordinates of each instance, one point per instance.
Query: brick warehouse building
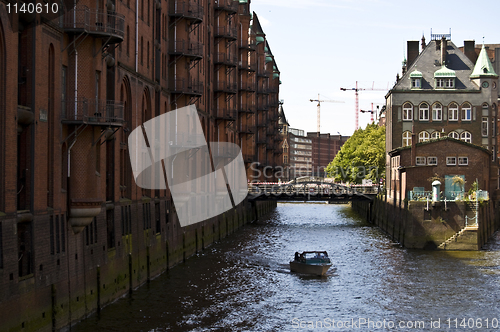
(75, 230)
(442, 93)
(324, 149)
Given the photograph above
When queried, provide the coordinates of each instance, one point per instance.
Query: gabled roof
(256, 27)
(281, 116)
(483, 67)
(428, 63)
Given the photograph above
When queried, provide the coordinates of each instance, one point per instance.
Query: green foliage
(458, 180)
(473, 188)
(361, 157)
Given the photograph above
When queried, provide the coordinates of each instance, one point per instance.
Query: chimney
(423, 42)
(444, 44)
(470, 50)
(412, 52)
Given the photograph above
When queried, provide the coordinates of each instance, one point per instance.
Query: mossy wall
(425, 225)
(91, 277)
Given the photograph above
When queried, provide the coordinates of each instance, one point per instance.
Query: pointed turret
(483, 67)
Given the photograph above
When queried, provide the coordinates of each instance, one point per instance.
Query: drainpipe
(33, 129)
(76, 84)
(136, 34)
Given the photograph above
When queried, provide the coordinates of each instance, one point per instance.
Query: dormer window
(416, 79)
(445, 78)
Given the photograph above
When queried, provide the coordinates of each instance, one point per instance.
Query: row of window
(425, 136)
(440, 83)
(436, 111)
(450, 161)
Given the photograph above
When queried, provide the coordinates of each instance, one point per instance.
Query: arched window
(466, 112)
(437, 112)
(454, 135)
(453, 112)
(466, 137)
(435, 135)
(406, 138)
(407, 112)
(423, 136)
(424, 112)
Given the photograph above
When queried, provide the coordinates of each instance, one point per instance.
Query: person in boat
(296, 256)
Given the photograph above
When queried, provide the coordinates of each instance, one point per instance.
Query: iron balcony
(93, 112)
(105, 24)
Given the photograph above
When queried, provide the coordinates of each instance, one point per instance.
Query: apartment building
(324, 149)
(300, 153)
(443, 92)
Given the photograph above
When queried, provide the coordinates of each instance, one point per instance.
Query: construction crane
(319, 107)
(356, 107)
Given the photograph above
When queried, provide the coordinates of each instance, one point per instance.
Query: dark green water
(243, 283)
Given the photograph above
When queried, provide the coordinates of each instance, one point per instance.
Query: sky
(321, 46)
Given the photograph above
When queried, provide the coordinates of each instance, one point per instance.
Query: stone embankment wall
(89, 275)
(422, 225)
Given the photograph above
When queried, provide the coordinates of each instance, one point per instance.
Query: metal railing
(245, 65)
(94, 21)
(186, 9)
(93, 112)
(419, 195)
(228, 5)
(249, 46)
(247, 86)
(227, 59)
(181, 85)
(226, 87)
(226, 32)
(186, 48)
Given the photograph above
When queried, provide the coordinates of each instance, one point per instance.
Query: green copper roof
(243, 1)
(445, 72)
(276, 75)
(483, 67)
(268, 59)
(416, 74)
(259, 39)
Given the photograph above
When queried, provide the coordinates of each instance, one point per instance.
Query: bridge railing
(309, 188)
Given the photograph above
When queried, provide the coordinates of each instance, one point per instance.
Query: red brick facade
(75, 230)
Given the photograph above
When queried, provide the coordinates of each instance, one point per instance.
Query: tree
(361, 157)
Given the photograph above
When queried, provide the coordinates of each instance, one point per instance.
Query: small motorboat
(311, 262)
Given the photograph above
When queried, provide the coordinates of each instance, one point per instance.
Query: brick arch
(126, 169)
(146, 110)
(126, 99)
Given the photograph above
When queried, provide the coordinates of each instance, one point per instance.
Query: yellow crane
(319, 107)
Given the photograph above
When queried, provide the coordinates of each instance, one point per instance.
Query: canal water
(243, 283)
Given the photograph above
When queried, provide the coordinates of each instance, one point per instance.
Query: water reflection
(244, 282)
